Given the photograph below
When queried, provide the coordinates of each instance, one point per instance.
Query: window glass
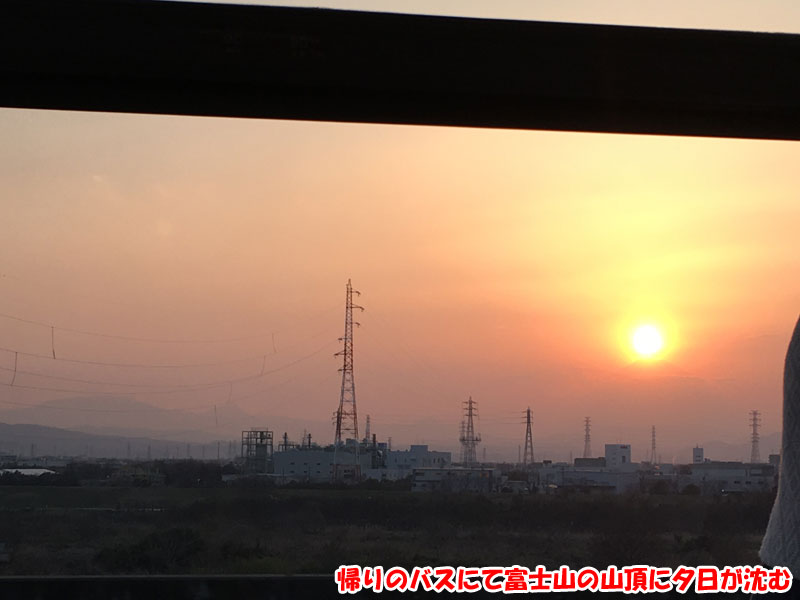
(741, 15)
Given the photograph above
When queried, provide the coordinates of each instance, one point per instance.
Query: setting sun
(647, 341)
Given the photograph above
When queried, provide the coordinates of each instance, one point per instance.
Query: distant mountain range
(37, 440)
(117, 427)
(122, 416)
(109, 426)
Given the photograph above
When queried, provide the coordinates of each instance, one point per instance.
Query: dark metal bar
(206, 587)
(288, 63)
(175, 587)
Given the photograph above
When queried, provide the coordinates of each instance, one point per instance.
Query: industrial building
(417, 456)
(718, 477)
(296, 464)
(352, 458)
(555, 476)
(457, 479)
(618, 457)
(612, 473)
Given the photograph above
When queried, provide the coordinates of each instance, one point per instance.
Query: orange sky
(507, 265)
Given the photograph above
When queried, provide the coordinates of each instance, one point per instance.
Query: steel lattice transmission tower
(367, 433)
(469, 439)
(346, 416)
(527, 458)
(587, 437)
(755, 421)
(653, 447)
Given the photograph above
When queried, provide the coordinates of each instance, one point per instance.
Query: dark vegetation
(207, 529)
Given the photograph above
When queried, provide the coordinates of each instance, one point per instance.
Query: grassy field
(81, 530)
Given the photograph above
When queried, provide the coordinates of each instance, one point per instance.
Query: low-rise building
(457, 479)
(719, 477)
(555, 476)
(417, 456)
(298, 464)
(618, 457)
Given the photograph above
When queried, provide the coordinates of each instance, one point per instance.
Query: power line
(103, 410)
(14, 376)
(130, 365)
(324, 377)
(273, 386)
(53, 327)
(136, 339)
(437, 385)
(167, 388)
(96, 392)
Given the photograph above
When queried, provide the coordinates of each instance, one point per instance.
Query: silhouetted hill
(39, 440)
(117, 415)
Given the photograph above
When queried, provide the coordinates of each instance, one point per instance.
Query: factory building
(590, 479)
(618, 457)
(718, 477)
(613, 473)
(415, 457)
(374, 462)
(457, 479)
(297, 464)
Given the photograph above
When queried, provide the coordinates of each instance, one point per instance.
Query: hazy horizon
(211, 257)
(506, 265)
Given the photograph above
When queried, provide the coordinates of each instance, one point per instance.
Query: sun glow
(647, 341)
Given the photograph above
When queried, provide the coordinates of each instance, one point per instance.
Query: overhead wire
(133, 365)
(436, 384)
(145, 388)
(166, 388)
(14, 376)
(53, 327)
(89, 409)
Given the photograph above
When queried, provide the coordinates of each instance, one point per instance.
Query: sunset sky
(512, 266)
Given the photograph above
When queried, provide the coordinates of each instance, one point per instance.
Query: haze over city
(510, 266)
